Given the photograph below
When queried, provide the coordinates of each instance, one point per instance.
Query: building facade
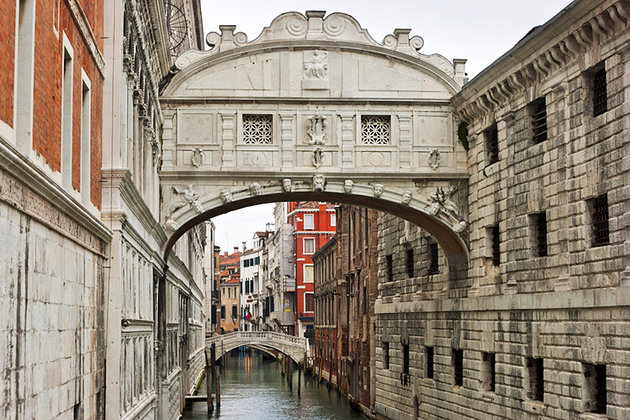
(54, 244)
(313, 225)
(536, 329)
(229, 278)
(346, 288)
(252, 300)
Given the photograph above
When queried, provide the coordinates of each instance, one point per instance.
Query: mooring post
(216, 377)
(299, 378)
(290, 373)
(209, 375)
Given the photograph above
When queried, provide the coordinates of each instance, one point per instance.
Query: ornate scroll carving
(197, 157)
(433, 160)
(317, 130)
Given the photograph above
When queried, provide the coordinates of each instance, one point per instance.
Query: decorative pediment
(315, 26)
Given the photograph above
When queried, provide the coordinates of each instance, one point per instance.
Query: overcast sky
(478, 30)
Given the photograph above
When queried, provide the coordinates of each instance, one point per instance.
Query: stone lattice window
(257, 129)
(375, 129)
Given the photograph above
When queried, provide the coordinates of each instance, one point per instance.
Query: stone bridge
(314, 109)
(294, 347)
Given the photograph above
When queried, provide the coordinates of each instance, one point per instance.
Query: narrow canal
(252, 387)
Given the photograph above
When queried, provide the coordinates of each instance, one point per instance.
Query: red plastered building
(313, 225)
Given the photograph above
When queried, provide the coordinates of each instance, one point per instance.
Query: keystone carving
(286, 185)
(197, 157)
(347, 186)
(226, 196)
(406, 198)
(319, 183)
(255, 189)
(378, 190)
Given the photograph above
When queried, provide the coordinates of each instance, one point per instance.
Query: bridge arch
(293, 347)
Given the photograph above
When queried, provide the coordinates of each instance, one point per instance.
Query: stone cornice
(234, 100)
(31, 176)
(547, 50)
(86, 33)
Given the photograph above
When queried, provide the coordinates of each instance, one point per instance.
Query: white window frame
(333, 219)
(67, 78)
(304, 245)
(304, 273)
(309, 293)
(310, 216)
(86, 149)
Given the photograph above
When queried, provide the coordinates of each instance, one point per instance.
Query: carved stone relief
(197, 157)
(378, 190)
(406, 198)
(433, 160)
(286, 185)
(226, 196)
(347, 186)
(186, 196)
(315, 70)
(319, 183)
(255, 189)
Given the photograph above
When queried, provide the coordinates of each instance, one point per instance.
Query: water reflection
(253, 388)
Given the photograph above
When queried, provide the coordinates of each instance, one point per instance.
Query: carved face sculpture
(378, 190)
(226, 196)
(406, 198)
(347, 186)
(286, 185)
(255, 189)
(319, 182)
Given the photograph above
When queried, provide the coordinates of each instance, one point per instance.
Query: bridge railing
(257, 337)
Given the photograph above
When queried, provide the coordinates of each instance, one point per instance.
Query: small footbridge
(294, 347)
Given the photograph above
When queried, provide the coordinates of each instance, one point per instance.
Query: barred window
(495, 236)
(492, 144)
(257, 129)
(540, 231)
(488, 371)
(600, 98)
(538, 119)
(598, 207)
(389, 267)
(428, 357)
(434, 266)
(410, 262)
(594, 388)
(375, 129)
(535, 371)
(385, 355)
(457, 360)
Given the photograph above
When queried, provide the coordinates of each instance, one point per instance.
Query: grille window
(595, 388)
(458, 367)
(496, 242)
(385, 355)
(535, 370)
(404, 376)
(540, 230)
(434, 266)
(492, 144)
(428, 356)
(410, 262)
(600, 97)
(599, 220)
(389, 267)
(375, 129)
(538, 118)
(257, 129)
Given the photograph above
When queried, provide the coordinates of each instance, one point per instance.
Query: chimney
(244, 246)
(225, 253)
(235, 249)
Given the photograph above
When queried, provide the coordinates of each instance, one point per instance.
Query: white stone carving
(318, 157)
(197, 157)
(316, 66)
(226, 196)
(286, 185)
(443, 199)
(257, 128)
(433, 160)
(459, 227)
(319, 183)
(406, 198)
(255, 189)
(184, 196)
(348, 184)
(378, 190)
(375, 129)
(317, 129)
(171, 225)
(434, 209)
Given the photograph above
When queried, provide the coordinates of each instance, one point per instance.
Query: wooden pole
(216, 377)
(209, 374)
(290, 373)
(299, 378)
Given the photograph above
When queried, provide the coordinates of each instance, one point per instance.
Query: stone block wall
(52, 334)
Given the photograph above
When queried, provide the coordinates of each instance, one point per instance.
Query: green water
(252, 388)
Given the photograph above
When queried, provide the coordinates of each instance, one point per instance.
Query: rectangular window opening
(598, 208)
(385, 355)
(594, 388)
(25, 43)
(428, 356)
(434, 263)
(309, 245)
(600, 96)
(66, 121)
(404, 377)
(538, 119)
(492, 144)
(535, 370)
(410, 263)
(488, 372)
(496, 245)
(458, 367)
(389, 267)
(540, 231)
(85, 143)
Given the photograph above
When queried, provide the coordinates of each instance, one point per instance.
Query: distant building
(251, 285)
(313, 225)
(229, 277)
(346, 287)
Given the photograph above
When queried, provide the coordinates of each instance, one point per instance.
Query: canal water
(252, 388)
